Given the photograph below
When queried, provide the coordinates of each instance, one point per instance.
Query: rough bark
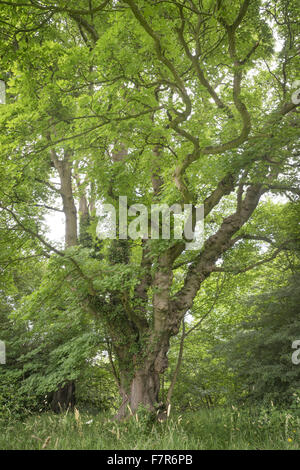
(142, 390)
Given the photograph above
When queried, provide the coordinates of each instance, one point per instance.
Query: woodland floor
(230, 428)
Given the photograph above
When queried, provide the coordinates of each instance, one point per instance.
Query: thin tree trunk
(64, 397)
(64, 169)
(178, 365)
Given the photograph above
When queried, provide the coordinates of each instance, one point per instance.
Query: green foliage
(15, 402)
(96, 388)
(49, 339)
(260, 352)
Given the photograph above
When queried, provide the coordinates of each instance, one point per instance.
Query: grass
(206, 429)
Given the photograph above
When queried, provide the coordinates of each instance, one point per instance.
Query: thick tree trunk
(142, 391)
(140, 379)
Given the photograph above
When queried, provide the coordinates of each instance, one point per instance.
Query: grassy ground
(206, 429)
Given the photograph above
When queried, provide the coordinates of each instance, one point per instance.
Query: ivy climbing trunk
(140, 386)
(143, 390)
